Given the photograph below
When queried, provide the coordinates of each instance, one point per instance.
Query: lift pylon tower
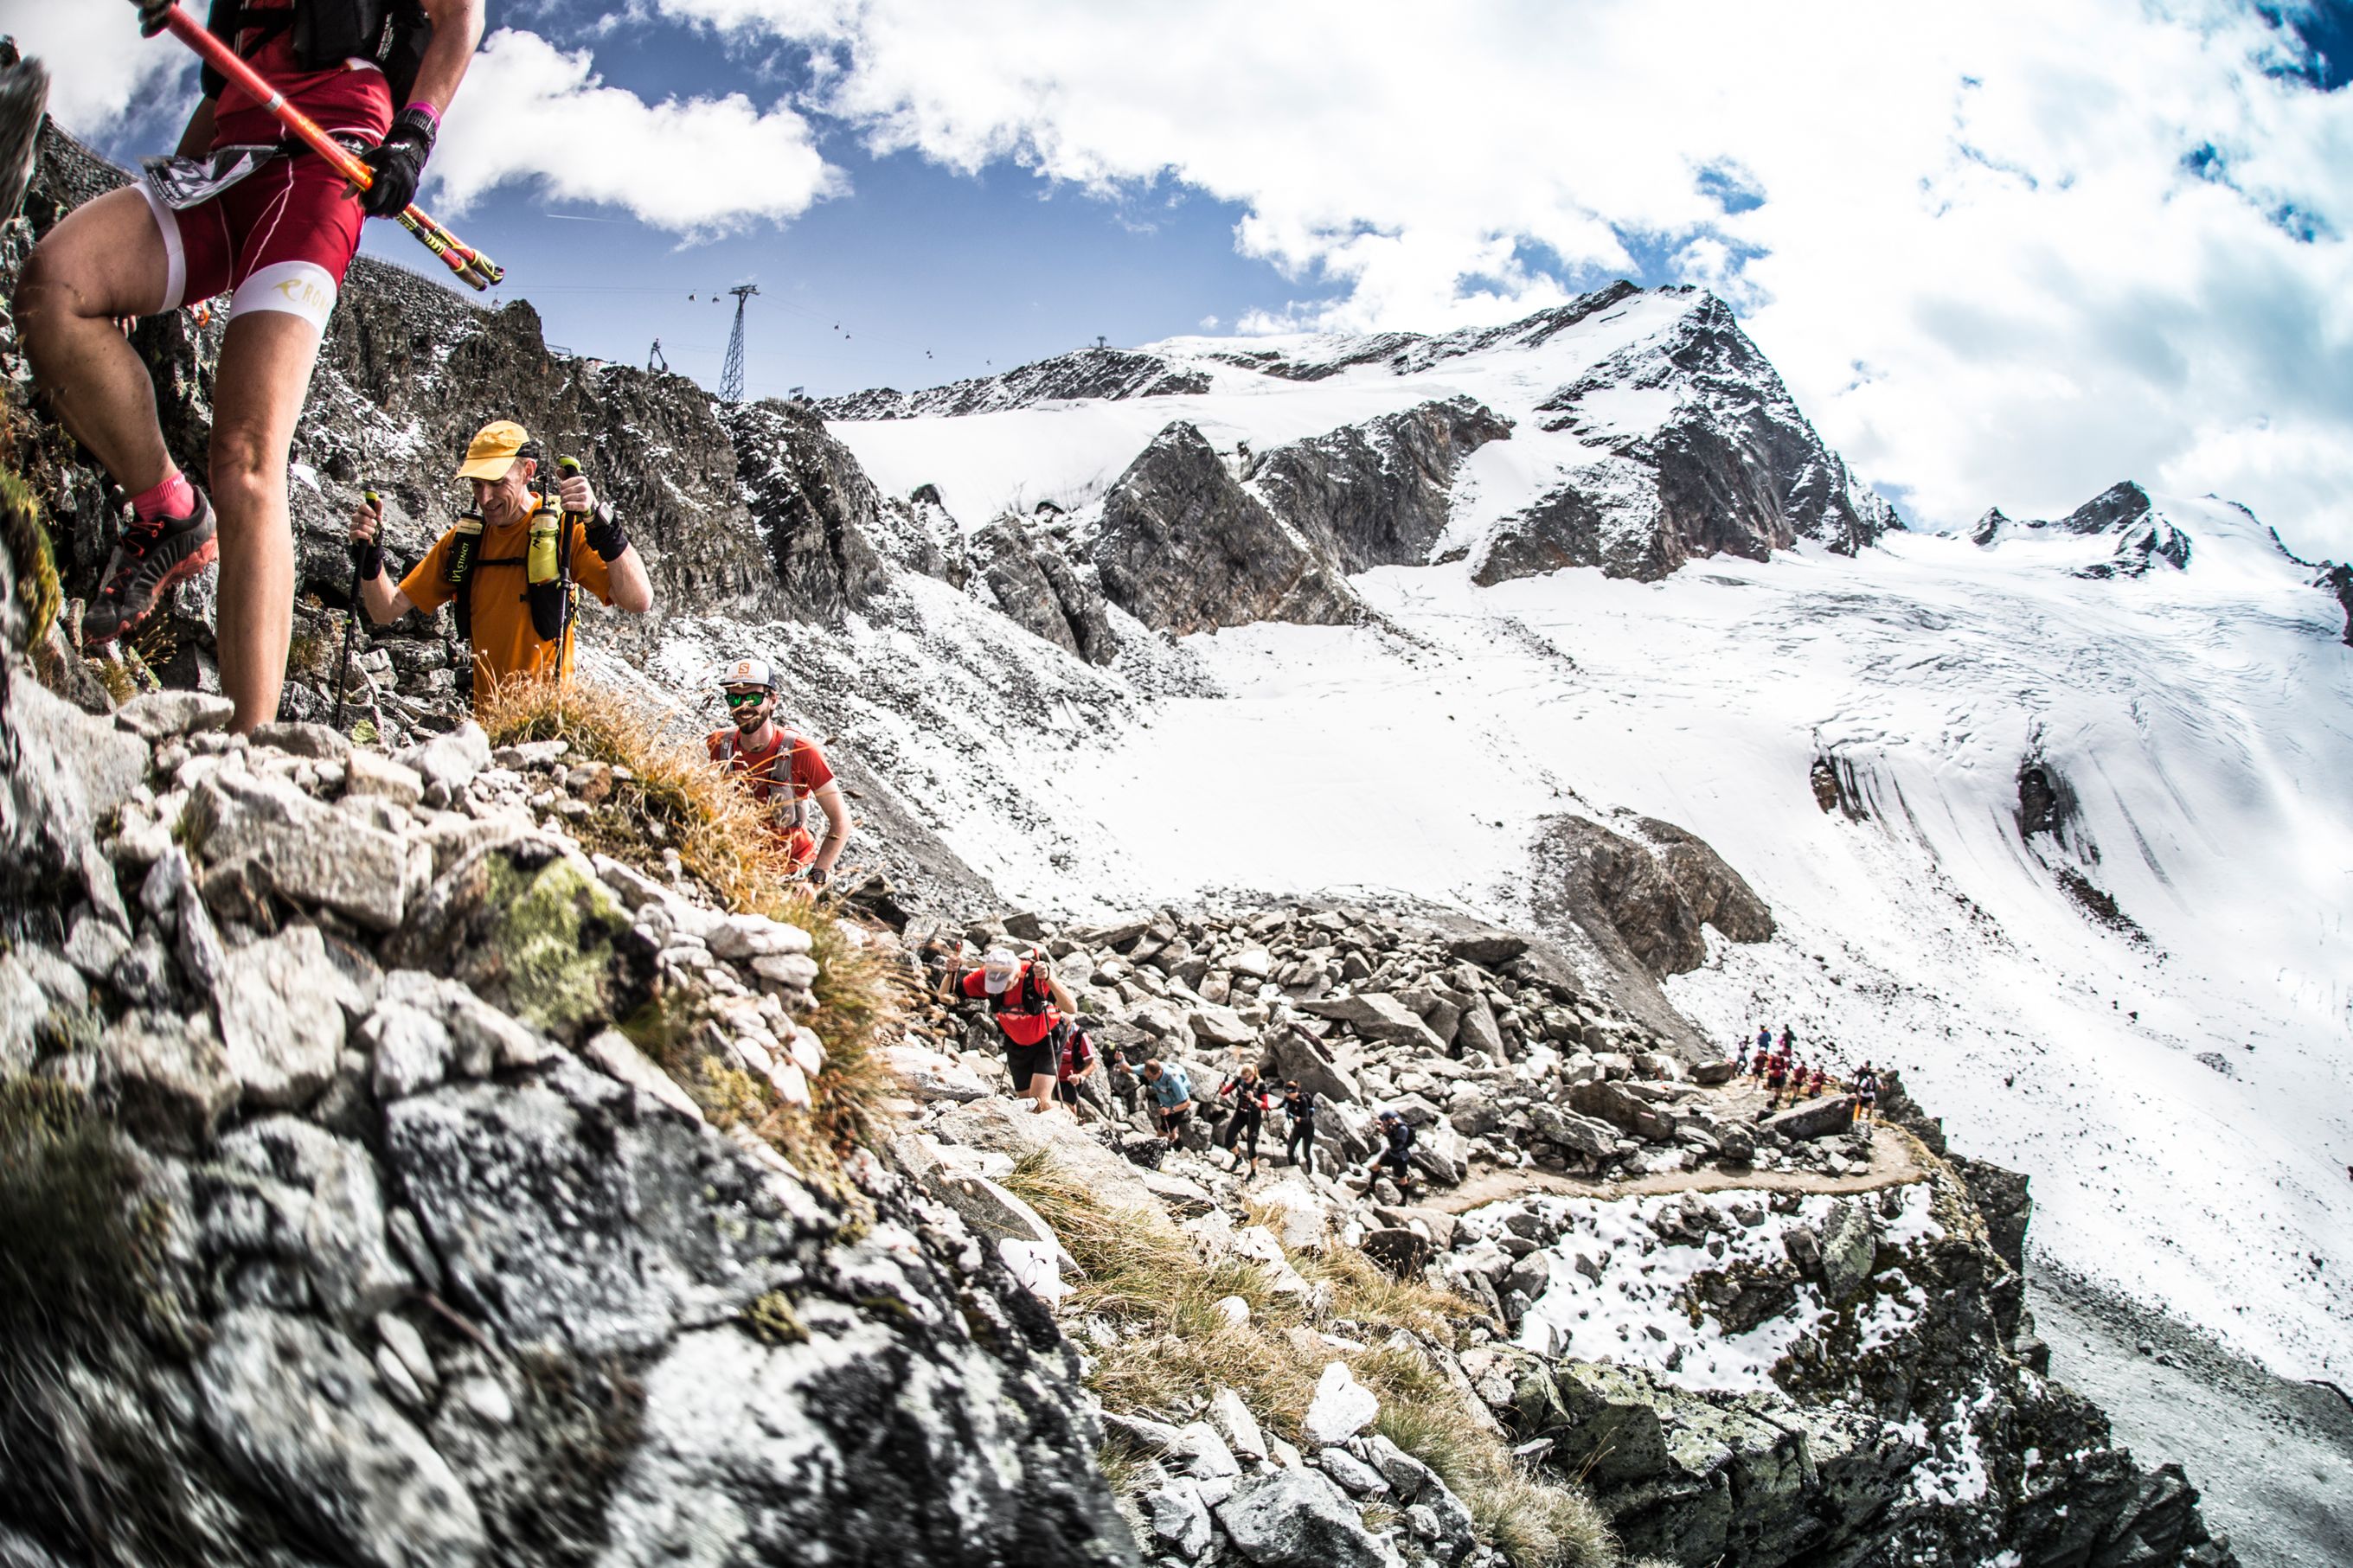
(731, 378)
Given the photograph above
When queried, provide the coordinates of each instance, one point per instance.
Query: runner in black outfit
(1300, 1147)
(1249, 1096)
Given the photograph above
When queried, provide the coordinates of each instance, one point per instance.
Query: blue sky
(2005, 254)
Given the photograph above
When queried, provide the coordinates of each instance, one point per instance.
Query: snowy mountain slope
(1648, 430)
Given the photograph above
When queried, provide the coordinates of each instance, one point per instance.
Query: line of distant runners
(1054, 1060)
(1788, 1081)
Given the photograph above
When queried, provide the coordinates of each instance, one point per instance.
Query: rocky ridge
(1103, 373)
(2143, 536)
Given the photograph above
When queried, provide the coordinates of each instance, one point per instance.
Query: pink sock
(174, 498)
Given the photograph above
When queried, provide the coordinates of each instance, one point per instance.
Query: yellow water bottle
(540, 565)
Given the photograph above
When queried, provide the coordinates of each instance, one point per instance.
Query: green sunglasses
(743, 698)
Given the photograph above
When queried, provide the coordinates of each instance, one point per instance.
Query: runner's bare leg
(103, 260)
(265, 373)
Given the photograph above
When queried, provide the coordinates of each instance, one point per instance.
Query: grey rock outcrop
(1037, 587)
(815, 505)
(1734, 468)
(1629, 906)
(1299, 1519)
(1185, 548)
(1375, 494)
(296, 1411)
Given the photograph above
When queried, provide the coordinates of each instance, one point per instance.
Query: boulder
(1300, 1056)
(1342, 1406)
(170, 1076)
(372, 775)
(1850, 1240)
(1180, 1519)
(930, 1076)
(453, 759)
(1586, 1136)
(1487, 948)
(1219, 1027)
(282, 1003)
(1299, 1519)
(321, 743)
(1814, 1119)
(1403, 1252)
(279, 838)
(1478, 1032)
(566, 1217)
(160, 715)
(1375, 1016)
(295, 1411)
(619, 1058)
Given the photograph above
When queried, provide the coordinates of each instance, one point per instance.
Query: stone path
(1894, 1160)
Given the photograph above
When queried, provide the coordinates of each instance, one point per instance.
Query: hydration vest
(784, 800)
(392, 33)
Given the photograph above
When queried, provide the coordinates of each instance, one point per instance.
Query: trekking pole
(569, 468)
(474, 269)
(351, 615)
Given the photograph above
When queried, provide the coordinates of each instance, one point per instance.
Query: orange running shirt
(505, 643)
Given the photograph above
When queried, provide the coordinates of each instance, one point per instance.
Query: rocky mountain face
(2144, 537)
(1375, 494)
(1187, 543)
(1101, 372)
(1763, 1336)
(1733, 468)
(813, 503)
(1184, 547)
(1034, 583)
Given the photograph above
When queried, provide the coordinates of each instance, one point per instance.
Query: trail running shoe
(153, 558)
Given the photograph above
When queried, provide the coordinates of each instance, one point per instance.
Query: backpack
(1029, 994)
(1074, 1053)
(394, 33)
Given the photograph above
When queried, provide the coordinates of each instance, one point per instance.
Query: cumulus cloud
(2071, 244)
(531, 111)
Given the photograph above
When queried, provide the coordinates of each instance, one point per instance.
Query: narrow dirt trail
(1895, 1161)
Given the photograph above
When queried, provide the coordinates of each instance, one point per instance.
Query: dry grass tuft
(1143, 1276)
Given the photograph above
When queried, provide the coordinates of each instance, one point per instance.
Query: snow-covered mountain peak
(1646, 430)
(2129, 532)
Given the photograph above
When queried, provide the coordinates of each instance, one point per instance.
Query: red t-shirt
(352, 98)
(1022, 1028)
(791, 763)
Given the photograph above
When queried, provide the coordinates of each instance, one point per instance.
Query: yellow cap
(492, 450)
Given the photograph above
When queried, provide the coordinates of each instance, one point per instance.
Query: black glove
(398, 162)
(603, 533)
(151, 14)
(367, 556)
